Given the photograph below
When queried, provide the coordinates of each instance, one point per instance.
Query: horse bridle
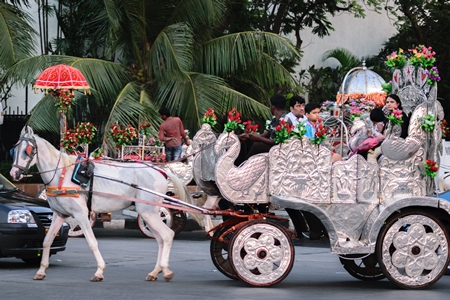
(30, 151)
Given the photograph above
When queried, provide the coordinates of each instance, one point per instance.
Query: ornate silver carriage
(383, 219)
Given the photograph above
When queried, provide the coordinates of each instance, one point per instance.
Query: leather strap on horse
(57, 191)
(89, 200)
(61, 178)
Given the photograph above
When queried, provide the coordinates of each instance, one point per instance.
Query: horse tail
(184, 194)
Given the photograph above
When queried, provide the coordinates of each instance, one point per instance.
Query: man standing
(171, 132)
(297, 107)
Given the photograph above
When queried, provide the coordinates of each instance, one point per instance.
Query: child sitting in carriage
(312, 111)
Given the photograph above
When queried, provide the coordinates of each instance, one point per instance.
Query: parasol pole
(341, 107)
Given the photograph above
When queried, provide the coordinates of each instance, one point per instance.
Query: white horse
(444, 182)
(31, 149)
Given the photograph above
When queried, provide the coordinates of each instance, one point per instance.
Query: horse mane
(65, 158)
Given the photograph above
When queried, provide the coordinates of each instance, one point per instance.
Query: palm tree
(147, 54)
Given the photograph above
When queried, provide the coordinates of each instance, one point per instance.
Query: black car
(24, 221)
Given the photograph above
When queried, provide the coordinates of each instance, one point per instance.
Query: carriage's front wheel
(261, 253)
(166, 217)
(413, 250)
(74, 227)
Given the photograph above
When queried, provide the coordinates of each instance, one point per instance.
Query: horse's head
(24, 153)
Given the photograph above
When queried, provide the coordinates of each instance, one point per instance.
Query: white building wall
(361, 37)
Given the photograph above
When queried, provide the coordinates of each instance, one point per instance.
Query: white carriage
(382, 219)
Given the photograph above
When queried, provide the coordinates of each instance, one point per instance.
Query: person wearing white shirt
(297, 107)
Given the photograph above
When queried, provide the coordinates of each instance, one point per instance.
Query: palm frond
(228, 54)
(345, 58)
(205, 13)
(192, 97)
(171, 54)
(44, 116)
(16, 35)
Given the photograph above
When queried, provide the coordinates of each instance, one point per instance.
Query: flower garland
(431, 168)
(155, 142)
(396, 60)
(144, 128)
(327, 105)
(321, 133)
(282, 132)
(355, 112)
(387, 87)
(378, 98)
(251, 128)
(395, 117)
(445, 128)
(97, 154)
(209, 117)
(427, 123)
(64, 98)
(82, 134)
(156, 156)
(85, 132)
(433, 76)
(121, 135)
(69, 141)
(299, 130)
(234, 121)
(422, 57)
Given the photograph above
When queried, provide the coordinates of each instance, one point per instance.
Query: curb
(126, 222)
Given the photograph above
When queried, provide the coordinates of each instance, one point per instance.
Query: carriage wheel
(74, 227)
(219, 252)
(413, 250)
(166, 217)
(179, 220)
(361, 267)
(261, 253)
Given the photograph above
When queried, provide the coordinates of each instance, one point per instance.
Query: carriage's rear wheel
(413, 250)
(219, 252)
(166, 217)
(362, 267)
(74, 227)
(179, 220)
(261, 253)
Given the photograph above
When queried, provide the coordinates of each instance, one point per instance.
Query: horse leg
(56, 224)
(164, 236)
(85, 226)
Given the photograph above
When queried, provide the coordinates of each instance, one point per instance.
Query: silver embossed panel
(300, 169)
(402, 178)
(355, 180)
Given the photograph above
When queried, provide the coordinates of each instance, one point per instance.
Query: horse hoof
(39, 276)
(151, 278)
(96, 278)
(169, 276)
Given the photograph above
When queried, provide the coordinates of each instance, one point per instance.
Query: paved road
(317, 274)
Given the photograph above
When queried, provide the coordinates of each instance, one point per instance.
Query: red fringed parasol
(61, 77)
(62, 80)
